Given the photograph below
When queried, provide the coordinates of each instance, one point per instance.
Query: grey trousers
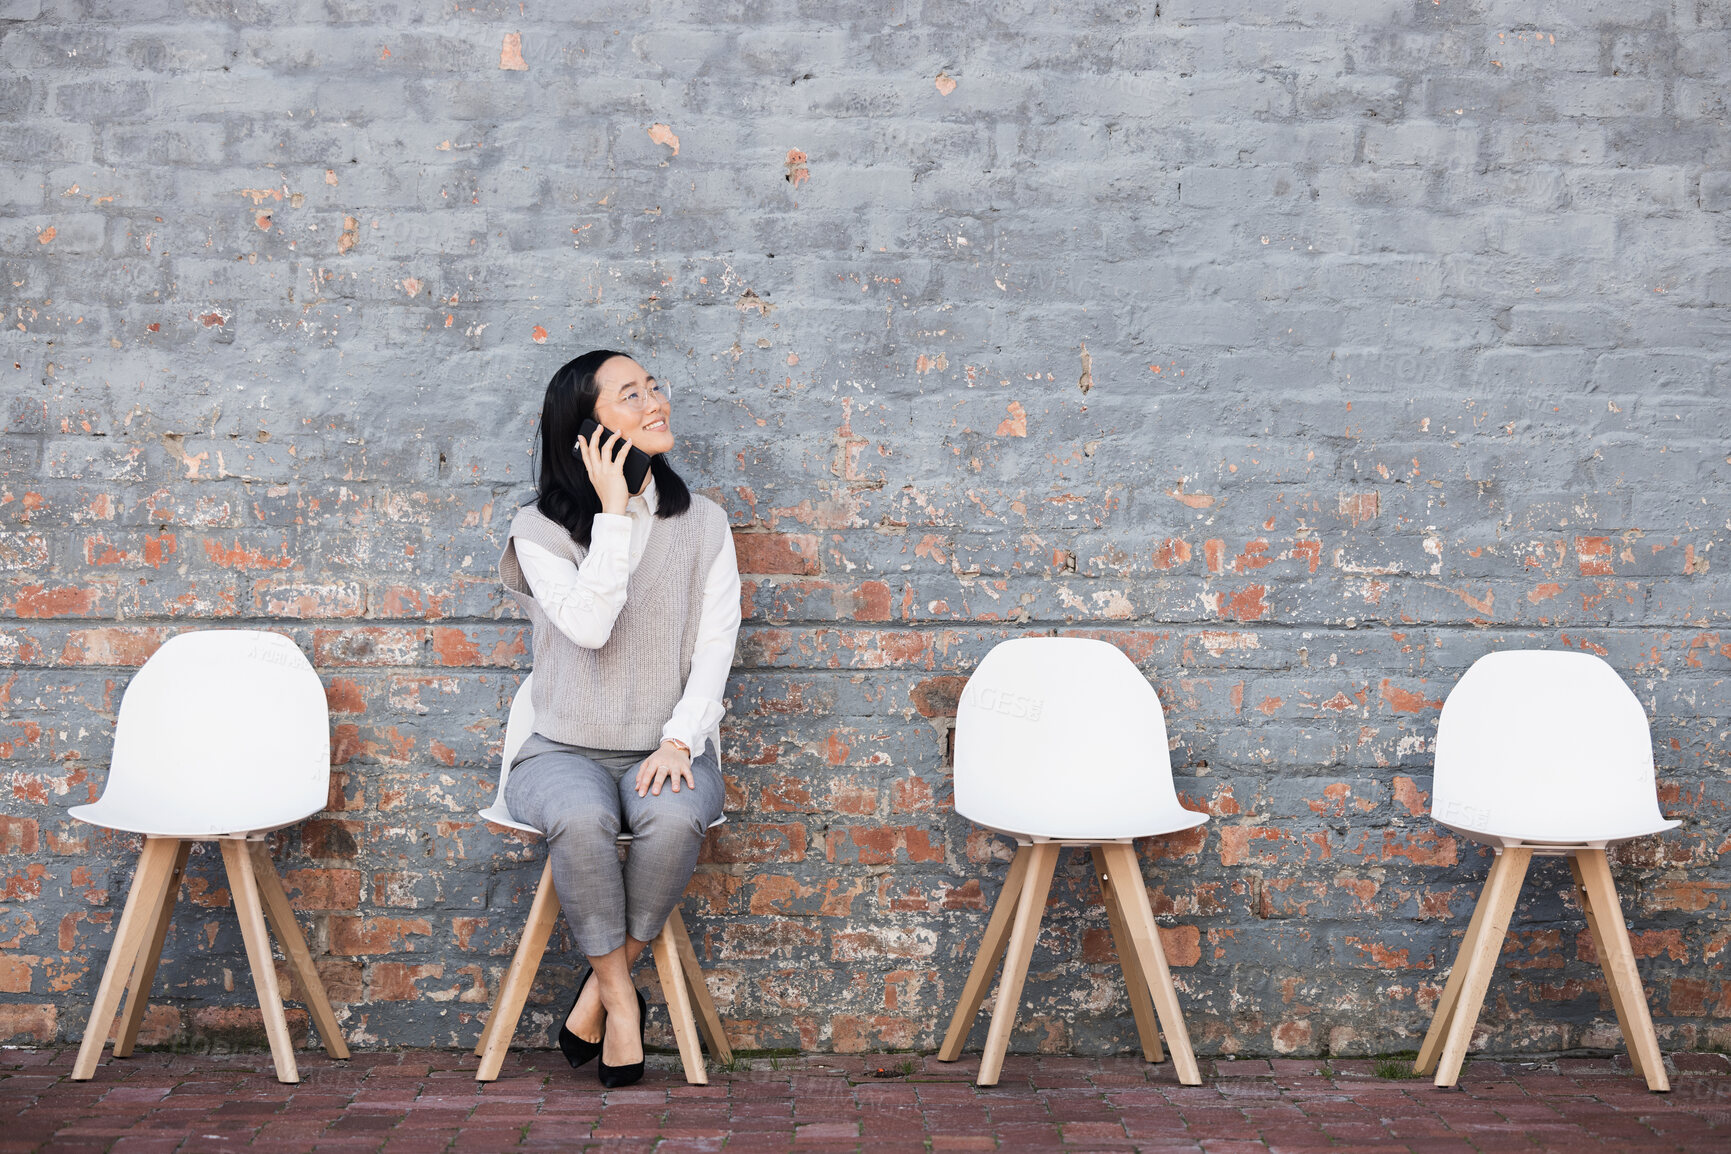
(581, 799)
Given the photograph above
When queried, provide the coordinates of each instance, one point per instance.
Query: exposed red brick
(1245, 605)
(238, 556)
(16, 974)
(331, 838)
(455, 646)
(112, 645)
(1425, 847)
(1544, 591)
(1407, 794)
(29, 1024)
(38, 601)
(911, 795)
(1171, 552)
(796, 554)
(343, 695)
(1594, 554)
(396, 981)
(852, 798)
(1237, 842)
(18, 835)
(1291, 1036)
(754, 843)
(361, 935)
(1690, 896)
(1176, 846)
(1182, 944)
(783, 895)
(323, 889)
(1407, 700)
(938, 696)
(341, 978)
(1255, 556)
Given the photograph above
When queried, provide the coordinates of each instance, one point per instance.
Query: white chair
(222, 735)
(1548, 753)
(1061, 741)
(689, 1006)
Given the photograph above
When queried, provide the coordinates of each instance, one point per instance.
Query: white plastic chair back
(518, 727)
(222, 731)
(1544, 747)
(1062, 738)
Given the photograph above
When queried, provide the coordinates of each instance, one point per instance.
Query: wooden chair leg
(1598, 893)
(243, 888)
(1141, 1006)
(155, 867)
(1030, 907)
(1445, 1005)
(1145, 934)
(1502, 888)
(144, 970)
(678, 994)
(280, 914)
(986, 961)
(502, 1022)
(708, 1019)
(1612, 986)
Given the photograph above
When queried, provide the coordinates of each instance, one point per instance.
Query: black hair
(563, 491)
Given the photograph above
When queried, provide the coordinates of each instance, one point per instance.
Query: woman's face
(630, 403)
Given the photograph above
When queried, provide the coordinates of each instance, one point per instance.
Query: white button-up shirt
(584, 600)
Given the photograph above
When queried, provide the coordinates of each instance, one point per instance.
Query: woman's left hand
(668, 762)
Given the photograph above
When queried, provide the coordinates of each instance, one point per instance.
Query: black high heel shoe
(613, 1077)
(575, 1049)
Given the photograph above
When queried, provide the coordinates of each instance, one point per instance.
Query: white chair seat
(1023, 837)
(1543, 845)
(189, 827)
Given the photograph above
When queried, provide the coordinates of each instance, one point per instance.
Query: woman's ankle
(620, 1000)
(588, 1014)
(621, 1042)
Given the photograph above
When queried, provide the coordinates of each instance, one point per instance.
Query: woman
(634, 598)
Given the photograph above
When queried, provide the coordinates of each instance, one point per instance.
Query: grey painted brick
(1715, 191)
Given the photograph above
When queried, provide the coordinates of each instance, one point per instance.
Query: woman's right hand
(604, 458)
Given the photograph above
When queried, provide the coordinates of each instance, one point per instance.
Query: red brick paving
(427, 1102)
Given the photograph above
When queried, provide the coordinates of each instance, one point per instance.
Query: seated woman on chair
(634, 599)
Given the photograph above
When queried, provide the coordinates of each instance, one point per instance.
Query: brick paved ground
(415, 1102)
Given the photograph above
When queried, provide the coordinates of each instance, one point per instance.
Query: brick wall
(1307, 355)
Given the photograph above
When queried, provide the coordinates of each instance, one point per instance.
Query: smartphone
(636, 460)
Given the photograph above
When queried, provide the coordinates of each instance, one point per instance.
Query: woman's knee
(581, 824)
(672, 822)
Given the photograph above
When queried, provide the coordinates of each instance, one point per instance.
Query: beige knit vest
(620, 695)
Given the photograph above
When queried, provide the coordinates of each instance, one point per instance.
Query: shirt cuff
(693, 741)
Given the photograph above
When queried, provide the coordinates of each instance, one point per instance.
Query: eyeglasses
(639, 397)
